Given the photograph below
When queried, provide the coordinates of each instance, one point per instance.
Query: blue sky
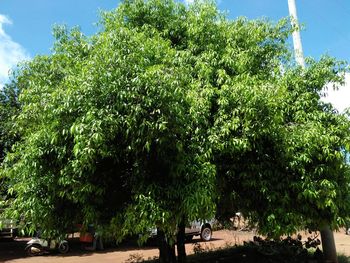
(26, 25)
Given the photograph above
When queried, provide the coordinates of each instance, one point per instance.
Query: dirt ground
(13, 252)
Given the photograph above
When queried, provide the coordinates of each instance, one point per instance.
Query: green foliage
(286, 168)
(9, 108)
(112, 125)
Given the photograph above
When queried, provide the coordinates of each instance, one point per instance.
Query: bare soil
(13, 251)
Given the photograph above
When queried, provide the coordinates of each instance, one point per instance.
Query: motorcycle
(37, 246)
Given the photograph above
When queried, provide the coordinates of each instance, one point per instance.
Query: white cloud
(339, 98)
(10, 52)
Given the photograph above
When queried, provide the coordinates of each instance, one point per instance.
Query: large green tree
(169, 111)
(292, 166)
(292, 174)
(113, 129)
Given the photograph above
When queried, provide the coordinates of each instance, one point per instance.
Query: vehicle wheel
(347, 231)
(63, 247)
(206, 233)
(34, 250)
(189, 238)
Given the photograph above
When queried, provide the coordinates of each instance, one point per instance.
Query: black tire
(34, 250)
(206, 233)
(63, 247)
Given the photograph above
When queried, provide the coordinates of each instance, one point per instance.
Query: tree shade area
(171, 114)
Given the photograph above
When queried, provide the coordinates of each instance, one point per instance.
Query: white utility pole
(299, 56)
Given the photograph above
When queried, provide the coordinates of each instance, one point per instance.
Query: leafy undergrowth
(288, 250)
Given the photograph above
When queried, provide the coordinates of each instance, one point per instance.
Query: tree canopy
(290, 172)
(9, 107)
(169, 112)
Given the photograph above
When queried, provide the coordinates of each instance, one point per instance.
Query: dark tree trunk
(181, 250)
(166, 250)
(328, 245)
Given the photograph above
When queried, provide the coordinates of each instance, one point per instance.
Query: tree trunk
(181, 250)
(166, 250)
(328, 245)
